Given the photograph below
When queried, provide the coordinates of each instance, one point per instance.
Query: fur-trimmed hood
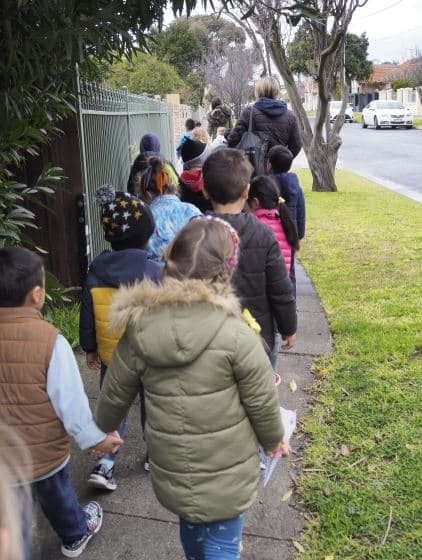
(173, 323)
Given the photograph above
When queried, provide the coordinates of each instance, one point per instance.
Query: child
(261, 280)
(220, 140)
(189, 127)
(201, 135)
(208, 388)
(265, 203)
(170, 214)
(279, 162)
(149, 146)
(128, 225)
(42, 397)
(194, 154)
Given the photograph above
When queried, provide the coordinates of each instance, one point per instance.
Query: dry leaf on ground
(344, 450)
(292, 386)
(287, 495)
(298, 546)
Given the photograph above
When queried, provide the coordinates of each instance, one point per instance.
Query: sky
(394, 28)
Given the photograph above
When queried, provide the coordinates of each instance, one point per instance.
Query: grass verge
(417, 122)
(362, 492)
(66, 319)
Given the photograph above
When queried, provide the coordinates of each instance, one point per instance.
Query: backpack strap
(250, 120)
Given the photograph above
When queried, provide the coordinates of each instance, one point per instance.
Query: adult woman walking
(271, 117)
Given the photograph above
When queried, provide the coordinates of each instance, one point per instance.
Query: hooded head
(150, 144)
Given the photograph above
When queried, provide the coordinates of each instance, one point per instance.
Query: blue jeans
(212, 541)
(276, 349)
(60, 505)
(111, 457)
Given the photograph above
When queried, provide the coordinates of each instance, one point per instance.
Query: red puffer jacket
(272, 219)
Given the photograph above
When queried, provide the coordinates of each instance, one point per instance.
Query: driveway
(392, 158)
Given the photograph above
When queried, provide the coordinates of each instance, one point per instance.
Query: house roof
(381, 72)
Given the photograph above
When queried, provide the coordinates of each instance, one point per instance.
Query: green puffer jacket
(209, 392)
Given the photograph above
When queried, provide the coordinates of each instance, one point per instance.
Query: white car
(334, 108)
(386, 113)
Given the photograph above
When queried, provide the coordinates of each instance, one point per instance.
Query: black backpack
(255, 146)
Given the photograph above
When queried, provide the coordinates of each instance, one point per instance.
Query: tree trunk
(322, 163)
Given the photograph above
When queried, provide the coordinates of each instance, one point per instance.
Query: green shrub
(66, 319)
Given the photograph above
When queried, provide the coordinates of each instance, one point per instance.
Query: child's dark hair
(20, 271)
(189, 124)
(226, 174)
(281, 159)
(156, 180)
(265, 190)
(216, 102)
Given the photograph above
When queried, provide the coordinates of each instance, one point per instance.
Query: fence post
(87, 207)
(126, 91)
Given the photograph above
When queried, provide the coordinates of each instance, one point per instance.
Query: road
(392, 158)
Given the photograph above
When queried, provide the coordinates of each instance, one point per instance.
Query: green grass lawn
(363, 484)
(417, 122)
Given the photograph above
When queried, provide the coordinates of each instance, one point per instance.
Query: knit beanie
(124, 216)
(194, 153)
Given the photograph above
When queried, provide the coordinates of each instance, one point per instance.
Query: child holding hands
(43, 399)
(209, 388)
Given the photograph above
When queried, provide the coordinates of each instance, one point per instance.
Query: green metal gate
(111, 123)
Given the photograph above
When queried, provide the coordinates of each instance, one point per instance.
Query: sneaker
(277, 379)
(146, 464)
(102, 478)
(94, 519)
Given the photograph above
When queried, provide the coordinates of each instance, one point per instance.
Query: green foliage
(187, 44)
(402, 83)
(14, 216)
(300, 53)
(358, 67)
(363, 255)
(66, 319)
(302, 57)
(144, 73)
(55, 293)
(178, 46)
(40, 43)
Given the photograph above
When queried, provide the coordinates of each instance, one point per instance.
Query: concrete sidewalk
(136, 526)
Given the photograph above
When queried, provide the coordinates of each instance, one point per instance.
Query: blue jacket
(292, 193)
(106, 274)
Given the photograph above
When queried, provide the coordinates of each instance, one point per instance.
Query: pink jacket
(272, 219)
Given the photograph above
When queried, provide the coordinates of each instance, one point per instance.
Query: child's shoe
(277, 379)
(146, 464)
(101, 477)
(94, 519)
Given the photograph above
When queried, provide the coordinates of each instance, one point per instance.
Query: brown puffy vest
(26, 345)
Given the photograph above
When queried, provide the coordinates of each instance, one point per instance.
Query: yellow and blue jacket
(106, 274)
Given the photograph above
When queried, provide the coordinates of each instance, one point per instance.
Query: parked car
(334, 108)
(386, 113)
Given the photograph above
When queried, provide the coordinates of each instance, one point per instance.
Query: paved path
(137, 527)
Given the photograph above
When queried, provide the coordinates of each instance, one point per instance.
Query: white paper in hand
(288, 419)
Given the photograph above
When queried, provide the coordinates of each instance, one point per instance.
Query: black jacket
(261, 280)
(273, 118)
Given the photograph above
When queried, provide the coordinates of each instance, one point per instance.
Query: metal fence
(111, 123)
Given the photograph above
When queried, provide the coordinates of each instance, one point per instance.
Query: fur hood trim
(131, 302)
